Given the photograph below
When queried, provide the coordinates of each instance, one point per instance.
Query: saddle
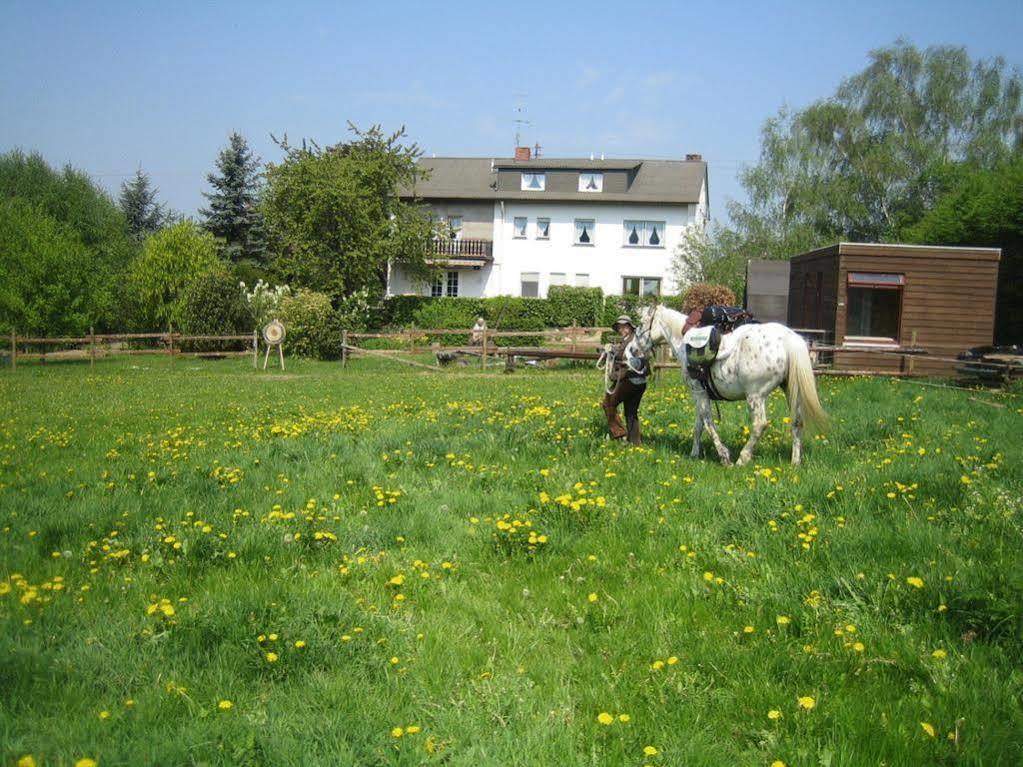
(709, 342)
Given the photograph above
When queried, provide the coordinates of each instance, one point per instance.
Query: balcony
(470, 253)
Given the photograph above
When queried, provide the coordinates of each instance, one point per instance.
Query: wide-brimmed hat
(624, 319)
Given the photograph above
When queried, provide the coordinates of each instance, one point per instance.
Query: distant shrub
(215, 305)
(583, 306)
(263, 302)
(311, 325)
(706, 294)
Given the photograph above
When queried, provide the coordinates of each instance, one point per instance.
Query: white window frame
(582, 280)
(535, 281)
(539, 229)
(528, 177)
(584, 178)
(642, 283)
(557, 278)
(592, 230)
(515, 227)
(451, 276)
(642, 229)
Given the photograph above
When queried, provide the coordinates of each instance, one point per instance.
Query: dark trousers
(630, 394)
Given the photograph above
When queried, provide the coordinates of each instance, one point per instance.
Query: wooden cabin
(876, 304)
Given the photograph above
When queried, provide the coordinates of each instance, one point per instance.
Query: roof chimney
(522, 153)
(694, 157)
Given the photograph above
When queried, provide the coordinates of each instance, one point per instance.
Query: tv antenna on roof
(520, 117)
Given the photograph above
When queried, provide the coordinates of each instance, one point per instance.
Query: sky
(112, 87)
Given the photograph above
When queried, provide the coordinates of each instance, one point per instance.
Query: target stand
(273, 335)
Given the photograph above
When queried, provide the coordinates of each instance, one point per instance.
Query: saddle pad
(697, 338)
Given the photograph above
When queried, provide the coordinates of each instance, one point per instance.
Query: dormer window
(591, 182)
(534, 182)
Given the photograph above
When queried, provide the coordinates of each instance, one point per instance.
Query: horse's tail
(802, 388)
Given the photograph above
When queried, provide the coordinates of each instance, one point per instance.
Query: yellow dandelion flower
(299, 643)
(605, 718)
(649, 751)
(672, 660)
(397, 732)
(592, 597)
(774, 715)
(395, 660)
(27, 761)
(858, 646)
(412, 729)
(928, 728)
(86, 762)
(777, 763)
(807, 702)
(915, 582)
(104, 715)
(657, 665)
(783, 620)
(271, 657)
(938, 654)
(748, 629)
(225, 705)
(624, 718)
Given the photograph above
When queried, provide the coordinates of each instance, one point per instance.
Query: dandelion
(299, 643)
(938, 654)
(27, 761)
(104, 715)
(807, 703)
(271, 657)
(928, 728)
(592, 597)
(412, 729)
(86, 762)
(774, 715)
(623, 718)
(672, 660)
(748, 629)
(605, 718)
(395, 660)
(657, 665)
(915, 582)
(777, 763)
(225, 705)
(397, 732)
(859, 646)
(649, 751)
(783, 620)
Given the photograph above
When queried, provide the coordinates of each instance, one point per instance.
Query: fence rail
(106, 344)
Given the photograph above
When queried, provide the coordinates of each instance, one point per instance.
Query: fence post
(344, 349)
(170, 341)
(412, 339)
(912, 359)
(483, 349)
(14, 350)
(255, 350)
(573, 332)
(92, 346)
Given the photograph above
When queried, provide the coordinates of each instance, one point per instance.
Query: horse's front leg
(703, 415)
(697, 450)
(758, 412)
(797, 435)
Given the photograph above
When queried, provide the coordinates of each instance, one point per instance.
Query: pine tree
(138, 203)
(233, 214)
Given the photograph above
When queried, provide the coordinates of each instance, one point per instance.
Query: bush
(263, 303)
(583, 306)
(215, 305)
(701, 294)
(311, 324)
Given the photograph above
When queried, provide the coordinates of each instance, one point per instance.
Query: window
(543, 229)
(452, 284)
(455, 227)
(437, 287)
(533, 182)
(519, 228)
(644, 234)
(582, 280)
(530, 284)
(591, 182)
(641, 286)
(584, 231)
(874, 305)
(558, 278)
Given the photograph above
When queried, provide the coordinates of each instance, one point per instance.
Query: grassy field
(206, 565)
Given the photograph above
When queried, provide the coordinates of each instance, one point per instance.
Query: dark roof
(475, 178)
(882, 249)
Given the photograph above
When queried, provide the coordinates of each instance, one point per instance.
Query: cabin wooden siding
(948, 300)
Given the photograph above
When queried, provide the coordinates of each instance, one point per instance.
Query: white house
(519, 226)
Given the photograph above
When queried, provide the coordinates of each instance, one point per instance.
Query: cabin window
(530, 284)
(519, 227)
(543, 229)
(558, 278)
(641, 286)
(582, 280)
(874, 306)
(591, 182)
(452, 284)
(455, 227)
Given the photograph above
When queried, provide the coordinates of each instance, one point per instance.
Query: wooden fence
(96, 345)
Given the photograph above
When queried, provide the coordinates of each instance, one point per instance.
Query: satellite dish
(274, 333)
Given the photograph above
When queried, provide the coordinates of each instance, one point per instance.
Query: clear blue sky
(109, 87)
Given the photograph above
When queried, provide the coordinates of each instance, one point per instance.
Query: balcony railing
(482, 249)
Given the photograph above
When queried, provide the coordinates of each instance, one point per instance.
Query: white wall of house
(604, 263)
(471, 282)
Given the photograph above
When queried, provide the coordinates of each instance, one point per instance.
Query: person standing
(627, 381)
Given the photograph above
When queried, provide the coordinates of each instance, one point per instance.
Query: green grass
(382, 516)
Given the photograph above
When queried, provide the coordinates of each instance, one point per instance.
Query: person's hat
(624, 320)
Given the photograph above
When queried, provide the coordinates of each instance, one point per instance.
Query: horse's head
(650, 328)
